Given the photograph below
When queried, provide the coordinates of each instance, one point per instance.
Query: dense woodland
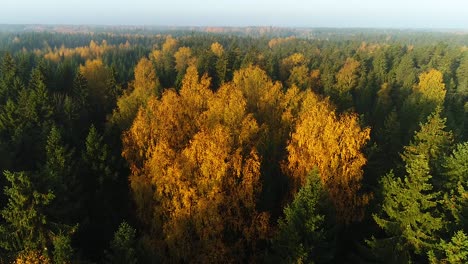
(265, 146)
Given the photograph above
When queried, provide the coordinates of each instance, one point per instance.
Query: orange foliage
(31, 257)
(196, 172)
(278, 41)
(196, 157)
(332, 145)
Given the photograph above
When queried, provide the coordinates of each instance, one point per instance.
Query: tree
(63, 251)
(454, 252)
(424, 99)
(32, 257)
(346, 82)
(8, 78)
(347, 77)
(195, 165)
(183, 58)
(332, 144)
(288, 63)
(26, 222)
(409, 217)
(267, 102)
(122, 247)
(145, 85)
(58, 176)
(455, 169)
(304, 234)
(217, 49)
(104, 194)
(100, 93)
(300, 77)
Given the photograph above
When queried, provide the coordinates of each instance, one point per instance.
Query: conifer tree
(122, 247)
(304, 234)
(409, 216)
(26, 225)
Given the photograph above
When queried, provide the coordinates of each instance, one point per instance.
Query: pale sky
(301, 13)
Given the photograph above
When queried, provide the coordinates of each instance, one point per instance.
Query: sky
(287, 13)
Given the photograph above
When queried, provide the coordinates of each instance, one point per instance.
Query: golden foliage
(145, 85)
(347, 76)
(217, 49)
(156, 56)
(196, 157)
(299, 76)
(31, 257)
(279, 41)
(196, 172)
(97, 75)
(145, 75)
(288, 63)
(331, 144)
(169, 45)
(183, 58)
(93, 51)
(431, 86)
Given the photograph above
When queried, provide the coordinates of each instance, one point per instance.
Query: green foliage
(456, 166)
(453, 252)
(409, 216)
(122, 247)
(97, 157)
(47, 148)
(303, 236)
(63, 251)
(58, 159)
(59, 175)
(25, 224)
(456, 186)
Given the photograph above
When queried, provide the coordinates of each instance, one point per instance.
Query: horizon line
(237, 26)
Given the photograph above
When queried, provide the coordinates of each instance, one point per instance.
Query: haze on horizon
(430, 14)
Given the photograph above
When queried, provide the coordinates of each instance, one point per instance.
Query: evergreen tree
(304, 234)
(409, 216)
(63, 251)
(454, 252)
(26, 225)
(103, 196)
(59, 176)
(122, 247)
(456, 187)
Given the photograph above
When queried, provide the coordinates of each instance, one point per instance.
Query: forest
(219, 145)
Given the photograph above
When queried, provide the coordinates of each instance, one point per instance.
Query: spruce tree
(303, 236)
(122, 247)
(26, 223)
(409, 215)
